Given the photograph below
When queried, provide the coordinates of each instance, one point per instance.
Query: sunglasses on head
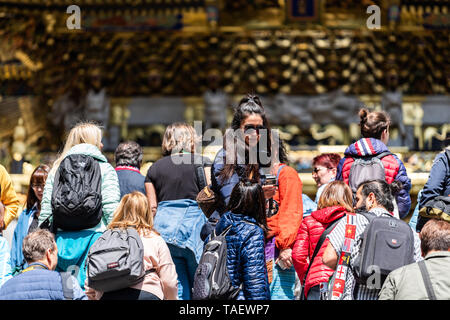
(250, 128)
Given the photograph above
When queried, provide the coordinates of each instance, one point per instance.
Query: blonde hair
(179, 137)
(133, 211)
(336, 193)
(84, 132)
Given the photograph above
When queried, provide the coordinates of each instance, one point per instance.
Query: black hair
(247, 198)
(250, 104)
(383, 191)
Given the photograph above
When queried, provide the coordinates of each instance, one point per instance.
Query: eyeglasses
(315, 170)
(250, 128)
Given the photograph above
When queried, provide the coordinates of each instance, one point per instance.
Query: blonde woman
(73, 246)
(172, 186)
(134, 212)
(334, 203)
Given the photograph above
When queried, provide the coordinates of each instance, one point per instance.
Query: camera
(270, 180)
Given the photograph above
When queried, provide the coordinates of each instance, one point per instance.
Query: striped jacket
(393, 166)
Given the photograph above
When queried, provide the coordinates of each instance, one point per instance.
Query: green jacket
(406, 283)
(110, 187)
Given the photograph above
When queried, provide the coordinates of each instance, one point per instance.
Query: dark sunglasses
(315, 170)
(249, 128)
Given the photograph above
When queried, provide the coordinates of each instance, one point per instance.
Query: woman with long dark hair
(246, 150)
(246, 217)
(29, 218)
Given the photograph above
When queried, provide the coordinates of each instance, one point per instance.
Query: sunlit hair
(179, 137)
(133, 212)
(39, 176)
(85, 132)
(336, 193)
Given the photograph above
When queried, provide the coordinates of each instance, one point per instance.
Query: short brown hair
(336, 193)
(435, 235)
(373, 123)
(36, 244)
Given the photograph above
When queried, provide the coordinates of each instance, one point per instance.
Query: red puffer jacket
(308, 235)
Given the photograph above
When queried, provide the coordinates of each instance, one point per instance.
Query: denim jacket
(179, 223)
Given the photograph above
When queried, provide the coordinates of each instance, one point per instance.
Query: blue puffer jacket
(38, 284)
(246, 262)
(438, 183)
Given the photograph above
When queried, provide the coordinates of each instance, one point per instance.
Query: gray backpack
(366, 168)
(387, 244)
(116, 260)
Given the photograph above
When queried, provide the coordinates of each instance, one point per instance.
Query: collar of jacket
(366, 147)
(129, 168)
(87, 149)
(36, 265)
(329, 214)
(438, 254)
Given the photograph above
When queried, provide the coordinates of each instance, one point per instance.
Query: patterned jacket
(393, 166)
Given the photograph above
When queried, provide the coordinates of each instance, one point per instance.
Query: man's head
(376, 194)
(435, 236)
(40, 246)
(129, 153)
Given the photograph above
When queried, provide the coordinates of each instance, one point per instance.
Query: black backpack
(387, 243)
(76, 198)
(211, 280)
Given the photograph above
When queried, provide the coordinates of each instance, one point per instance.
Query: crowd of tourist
(89, 230)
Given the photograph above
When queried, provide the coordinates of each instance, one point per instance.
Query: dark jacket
(130, 179)
(246, 262)
(393, 166)
(438, 183)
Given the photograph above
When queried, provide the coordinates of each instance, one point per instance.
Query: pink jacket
(163, 282)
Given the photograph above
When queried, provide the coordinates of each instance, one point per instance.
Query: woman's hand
(286, 258)
(269, 191)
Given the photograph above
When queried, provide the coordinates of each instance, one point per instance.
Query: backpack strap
(319, 244)
(201, 176)
(67, 285)
(279, 170)
(427, 280)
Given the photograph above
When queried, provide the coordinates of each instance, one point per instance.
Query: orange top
(285, 224)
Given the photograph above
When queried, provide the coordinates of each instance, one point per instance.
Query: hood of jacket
(89, 150)
(329, 214)
(366, 147)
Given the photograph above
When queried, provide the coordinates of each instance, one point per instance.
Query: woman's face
(38, 188)
(322, 175)
(251, 127)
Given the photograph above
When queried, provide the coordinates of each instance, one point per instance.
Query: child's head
(336, 193)
(247, 198)
(133, 211)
